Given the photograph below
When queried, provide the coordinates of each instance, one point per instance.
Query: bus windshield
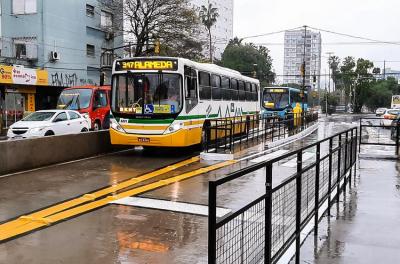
(275, 100)
(74, 99)
(147, 93)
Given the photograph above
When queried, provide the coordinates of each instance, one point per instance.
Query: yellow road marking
(23, 220)
(45, 221)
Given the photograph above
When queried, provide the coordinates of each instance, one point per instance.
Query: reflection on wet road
(124, 234)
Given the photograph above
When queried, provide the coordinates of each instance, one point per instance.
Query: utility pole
(384, 70)
(304, 75)
(329, 70)
(326, 98)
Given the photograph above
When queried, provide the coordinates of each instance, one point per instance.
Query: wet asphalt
(124, 234)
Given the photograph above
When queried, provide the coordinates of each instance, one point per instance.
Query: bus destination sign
(158, 65)
(275, 90)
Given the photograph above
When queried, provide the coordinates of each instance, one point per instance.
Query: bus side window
(204, 86)
(225, 83)
(248, 91)
(190, 88)
(234, 89)
(216, 87)
(242, 93)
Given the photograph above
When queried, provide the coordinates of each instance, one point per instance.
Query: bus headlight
(175, 127)
(116, 126)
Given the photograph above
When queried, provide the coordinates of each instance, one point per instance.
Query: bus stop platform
(364, 227)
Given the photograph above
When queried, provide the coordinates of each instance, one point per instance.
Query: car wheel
(96, 126)
(49, 133)
(84, 130)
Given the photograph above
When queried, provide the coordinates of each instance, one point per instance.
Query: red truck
(91, 101)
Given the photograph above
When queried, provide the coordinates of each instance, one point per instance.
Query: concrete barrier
(25, 154)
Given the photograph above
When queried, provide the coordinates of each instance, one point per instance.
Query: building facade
(294, 56)
(48, 45)
(222, 31)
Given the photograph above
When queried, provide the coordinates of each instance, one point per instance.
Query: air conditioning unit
(54, 55)
(108, 35)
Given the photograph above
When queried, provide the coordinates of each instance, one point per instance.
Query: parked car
(389, 116)
(48, 123)
(91, 101)
(380, 111)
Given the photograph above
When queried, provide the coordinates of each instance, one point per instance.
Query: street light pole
(304, 75)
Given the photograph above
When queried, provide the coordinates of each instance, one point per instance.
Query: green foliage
(380, 93)
(362, 84)
(250, 60)
(333, 100)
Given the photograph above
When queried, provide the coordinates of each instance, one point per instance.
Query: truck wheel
(96, 126)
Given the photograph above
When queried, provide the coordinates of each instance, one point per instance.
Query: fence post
(317, 172)
(338, 171)
(397, 138)
(359, 140)
(298, 204)
(345, 162)
(272, 130)
(351, 156)
(330, 176)
(268, 214)
(212, 218)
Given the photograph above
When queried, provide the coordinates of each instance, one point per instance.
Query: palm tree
(208, 16)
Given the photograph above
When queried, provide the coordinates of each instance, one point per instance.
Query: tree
(250, 60)
(174, 22)
(208, 16)
(362, 83)
(348, 77)
(334, 62)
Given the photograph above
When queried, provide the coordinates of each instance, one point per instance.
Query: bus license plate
(144, 140)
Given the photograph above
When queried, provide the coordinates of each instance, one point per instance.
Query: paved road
(126, 234)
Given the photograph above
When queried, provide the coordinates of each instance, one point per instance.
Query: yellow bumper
(181, 138)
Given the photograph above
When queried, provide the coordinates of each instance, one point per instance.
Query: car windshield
(75, 99)
(147, 93)
(39, 116)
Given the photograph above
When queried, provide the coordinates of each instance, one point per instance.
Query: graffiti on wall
(63, 79)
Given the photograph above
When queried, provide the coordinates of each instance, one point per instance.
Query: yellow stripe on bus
(91, 196)
(46, 221)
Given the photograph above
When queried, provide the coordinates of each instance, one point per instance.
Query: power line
(356, 37)
(270, 33)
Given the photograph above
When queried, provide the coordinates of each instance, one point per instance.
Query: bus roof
(202, 67)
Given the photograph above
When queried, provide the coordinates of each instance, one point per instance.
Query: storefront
(18, 88)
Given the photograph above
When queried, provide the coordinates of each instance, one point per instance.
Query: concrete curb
(222, 156)
(302, 134)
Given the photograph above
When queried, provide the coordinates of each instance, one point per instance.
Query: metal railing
(262, 230)
(373, 131)
(223, 133)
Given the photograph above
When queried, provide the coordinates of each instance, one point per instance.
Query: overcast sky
(367, 18)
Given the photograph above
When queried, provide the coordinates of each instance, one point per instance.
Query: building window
(90, 50)
(21, 7)
(90, 10)
(20, 50)
(106, 19)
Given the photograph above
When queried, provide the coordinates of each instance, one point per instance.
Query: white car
(389, 116)
(380, 111)
(49, 123)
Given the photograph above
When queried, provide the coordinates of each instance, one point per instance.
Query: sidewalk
(365, 226)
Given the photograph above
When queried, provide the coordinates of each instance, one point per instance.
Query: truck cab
(91, 101)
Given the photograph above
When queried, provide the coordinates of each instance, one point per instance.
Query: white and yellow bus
(166, 102)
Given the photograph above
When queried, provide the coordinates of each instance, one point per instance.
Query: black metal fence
(262, 231)
(379, 131)
(223, 133)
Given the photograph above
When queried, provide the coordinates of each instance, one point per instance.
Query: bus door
(191, 99)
